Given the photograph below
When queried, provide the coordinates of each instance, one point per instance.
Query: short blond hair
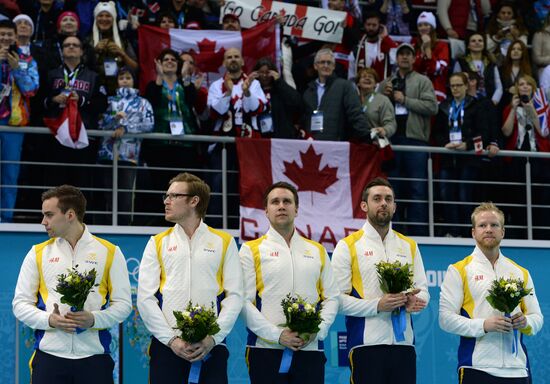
(487, 206)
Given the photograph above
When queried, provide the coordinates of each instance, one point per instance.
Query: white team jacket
(175, 269)
(35, 294)
(463, 308)
(271, 271)
(354, 260)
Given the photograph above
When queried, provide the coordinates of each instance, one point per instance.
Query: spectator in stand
(201, 101)
(184, 12)
(85, 11)
(377, 108)
(45, 19)
(166, 20)
(211, 11)
(491, 165)
(465, 19)
(332, 107)
(234, 100)
(73, 79)
(415, 102)
(343, 51)
(112, 52)
(516, 63)
(24, 31)
(458, 125)
(432, 55)
(18, 82)
(541, 53)
(477, 59)
(127, 112)
(172, 99)
(525, 130)
(505, 26)
(396, 16)
(231, 22)
(283, 110)
(374, 48)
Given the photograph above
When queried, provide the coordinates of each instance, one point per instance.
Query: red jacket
(380, 64)
(436, 68)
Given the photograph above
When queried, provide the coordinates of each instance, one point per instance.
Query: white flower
(186, 314)
(289, 310)
(512, 295)
(295, 306)
(69, 278)
(308, 307)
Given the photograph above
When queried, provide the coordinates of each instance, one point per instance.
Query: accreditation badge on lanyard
(317, 121)
(266, 123)
(455, 131)
(176, 122)
(110, 67)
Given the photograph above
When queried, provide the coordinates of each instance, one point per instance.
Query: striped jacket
(354, 260)
(272, 270)
(463, 308)
(35, 294)
(175, 270)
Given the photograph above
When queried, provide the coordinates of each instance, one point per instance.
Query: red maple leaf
(208, 59)
(310, 177)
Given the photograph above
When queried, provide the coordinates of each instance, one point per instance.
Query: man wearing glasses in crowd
(189, 262)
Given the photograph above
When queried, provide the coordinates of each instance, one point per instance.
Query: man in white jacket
(380, 351)
(490, 351)
(71, 347)
(277, 264)
(189, 262)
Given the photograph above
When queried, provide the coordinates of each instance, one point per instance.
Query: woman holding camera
(525, 130)
(459, 125)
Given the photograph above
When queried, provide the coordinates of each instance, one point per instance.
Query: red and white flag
(329, 177)
(208, 47)
(68, 127)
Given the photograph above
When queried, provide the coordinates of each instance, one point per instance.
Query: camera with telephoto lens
(13, 48)
(524, 99)
(398, 84)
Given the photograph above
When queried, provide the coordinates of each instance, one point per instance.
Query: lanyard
(70, 78)
(174, 101)
(5, 72)
(454, 112)
(367, 102)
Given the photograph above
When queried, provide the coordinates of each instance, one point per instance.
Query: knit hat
(65, 14)
(109, 7)
(26, 18)
(428, 18)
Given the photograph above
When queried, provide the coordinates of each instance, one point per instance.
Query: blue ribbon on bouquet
(195, 371)
(515, 337)
(286, 360)
(399, 323)
(78, 330)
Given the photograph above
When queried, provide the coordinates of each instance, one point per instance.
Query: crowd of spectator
(405, 72)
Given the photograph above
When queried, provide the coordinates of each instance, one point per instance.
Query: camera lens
(528, 127)
(524, 99)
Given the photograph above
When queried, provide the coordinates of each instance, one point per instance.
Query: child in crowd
(127, 112)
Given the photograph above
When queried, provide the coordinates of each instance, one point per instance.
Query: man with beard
(374, 48)
(279, 263)
(235, 98)
(486, 352)
(190, 262)
(379, 353)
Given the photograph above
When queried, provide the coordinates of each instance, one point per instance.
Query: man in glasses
(190, 262)
(333, 109)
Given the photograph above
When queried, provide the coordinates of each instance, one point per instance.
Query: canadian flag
(329, 177)
(207, 46)
(68, 127)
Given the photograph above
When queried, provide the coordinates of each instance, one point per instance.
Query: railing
(227, 174)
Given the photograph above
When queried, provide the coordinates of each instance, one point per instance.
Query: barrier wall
(436, 349)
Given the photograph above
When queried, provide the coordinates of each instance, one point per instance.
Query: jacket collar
(372, 234)
(272, 234)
